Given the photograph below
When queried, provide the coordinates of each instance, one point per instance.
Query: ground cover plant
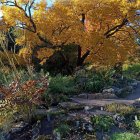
(126, 136)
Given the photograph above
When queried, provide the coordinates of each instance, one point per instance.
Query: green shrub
(137, 125)
(124, 136)
(62, 84)
(119, 108)
(93, 81)
(132, 71)
(102, 123)
(63, 129)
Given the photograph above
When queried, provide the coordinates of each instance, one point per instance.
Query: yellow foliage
(61, 24)
(44, 54)
(10, 58)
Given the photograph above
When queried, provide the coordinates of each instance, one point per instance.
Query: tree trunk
(80, 58)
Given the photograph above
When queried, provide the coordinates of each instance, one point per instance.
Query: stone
(79, 116)
(99, 112)
(87, 127)
(137, 103)
(109, 90)
(83, 95)
(86, 108)
(18, 127)
(102, 96)
(1, 96)
(125, 91)
(134, 84)
(128, 88)
(95, 96)
(56, 135)
(70, 106)
(109, 96)
(118, 118)
(36, 130)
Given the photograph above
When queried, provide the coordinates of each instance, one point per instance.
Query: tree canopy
(104, 30)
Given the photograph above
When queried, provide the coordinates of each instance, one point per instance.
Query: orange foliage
(99, 26)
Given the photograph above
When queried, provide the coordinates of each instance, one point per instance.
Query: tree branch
(115, 29)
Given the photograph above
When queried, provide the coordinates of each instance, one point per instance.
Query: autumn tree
(103, 30)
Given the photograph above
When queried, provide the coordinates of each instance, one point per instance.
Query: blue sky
(50, 2)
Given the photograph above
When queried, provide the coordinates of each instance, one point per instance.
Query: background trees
(102, 32)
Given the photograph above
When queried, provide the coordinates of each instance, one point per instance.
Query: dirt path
(128, 100)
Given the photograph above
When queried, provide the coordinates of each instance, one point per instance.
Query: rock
(70, 106)
(118, 118)
(109, 96)
(128, 88)
(95, 96)
(137, 103)
(18, 127)
(79, 116)
(109, 90)
(1, 96)
(6, 137)
(56, 135)
(36, 130)
(124, 91)
(87, 127)
(99, 112)
(134, 84)
(86, 108)
(102, 96)
(118, 93)
(83, 95)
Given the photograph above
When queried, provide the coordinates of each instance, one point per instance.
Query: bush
(124, 136)
(59, 90)
(137, 125)
(132, 71)
(102, 122)
(63, 129)
(62, 84)
(22, 99)
(93, 81)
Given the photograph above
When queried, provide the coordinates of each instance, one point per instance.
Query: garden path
(129, 100)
